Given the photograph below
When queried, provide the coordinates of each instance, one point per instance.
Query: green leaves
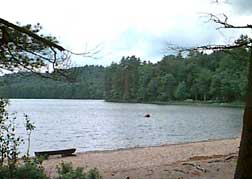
(9, 141)
(181, 92)
(220, 76)
(66, 171)
(89, 83)
(23, 48)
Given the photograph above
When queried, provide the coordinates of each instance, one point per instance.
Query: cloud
(132, 41)
(152, 46)
(242, 6)
(125, 27)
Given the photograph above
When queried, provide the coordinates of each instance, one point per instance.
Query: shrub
(66, 171)
(30, 171)
(94, 174)
(24, 171)
(9, 149)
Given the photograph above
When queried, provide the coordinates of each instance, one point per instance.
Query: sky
(129, 27)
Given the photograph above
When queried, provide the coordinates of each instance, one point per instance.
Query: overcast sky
(128, 27)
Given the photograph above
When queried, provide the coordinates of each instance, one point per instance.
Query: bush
(30, 171)
(25, 171)
(4, 172)
(66, 171)
(10, 168)
(94, 174)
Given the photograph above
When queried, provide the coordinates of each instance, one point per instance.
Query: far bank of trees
(219, 77)
(88, 83)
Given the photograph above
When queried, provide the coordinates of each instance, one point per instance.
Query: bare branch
(220, 47)
(243, 42)
(224, 22)
(88, 53)
(208, 47)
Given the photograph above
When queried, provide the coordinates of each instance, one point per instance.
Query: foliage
(29, 127)
(9, 144)
(94, 174)
(27, 171)
(181, 91)
(24, 48)
(29, 168)
(219, 76)
(66, 171)
(89, 84)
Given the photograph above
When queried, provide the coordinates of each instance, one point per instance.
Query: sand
(207, 159)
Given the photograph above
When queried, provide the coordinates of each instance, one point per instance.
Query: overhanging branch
(225, 24)
(31, 34)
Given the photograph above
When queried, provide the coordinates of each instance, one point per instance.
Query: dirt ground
(199, 160)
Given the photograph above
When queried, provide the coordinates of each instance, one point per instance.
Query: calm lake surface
(90, 125)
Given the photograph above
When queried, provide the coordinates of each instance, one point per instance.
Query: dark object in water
(63, 153)
(147, 115)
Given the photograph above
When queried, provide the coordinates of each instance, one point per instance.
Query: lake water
(90, 125)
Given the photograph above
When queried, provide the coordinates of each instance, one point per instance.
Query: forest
(88, 83)
(220, 76)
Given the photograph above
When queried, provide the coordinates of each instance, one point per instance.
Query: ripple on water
(97, 125)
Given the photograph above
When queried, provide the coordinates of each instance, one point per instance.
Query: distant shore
(193, 103)
(136, 162)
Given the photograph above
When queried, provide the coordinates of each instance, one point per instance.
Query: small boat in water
(147, 115)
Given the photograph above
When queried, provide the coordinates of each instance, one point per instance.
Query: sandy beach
(206, 159)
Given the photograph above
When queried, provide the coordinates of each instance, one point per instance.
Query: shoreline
(183, 103)
(136, 161)
(154, 146)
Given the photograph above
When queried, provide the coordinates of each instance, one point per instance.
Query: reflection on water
(97, 125)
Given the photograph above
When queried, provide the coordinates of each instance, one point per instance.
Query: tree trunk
(126, 86)
(244, 164)
(205, 97)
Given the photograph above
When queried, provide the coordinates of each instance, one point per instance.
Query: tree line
(87, 83)
(220, 77)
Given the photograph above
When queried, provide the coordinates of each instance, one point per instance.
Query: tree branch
(33, 53)
(220, 47)
(225, 23)
(31, 34)
(243, 42)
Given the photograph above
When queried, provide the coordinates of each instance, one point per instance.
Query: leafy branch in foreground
(29, 127)
(10, 142)
(23, 48)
